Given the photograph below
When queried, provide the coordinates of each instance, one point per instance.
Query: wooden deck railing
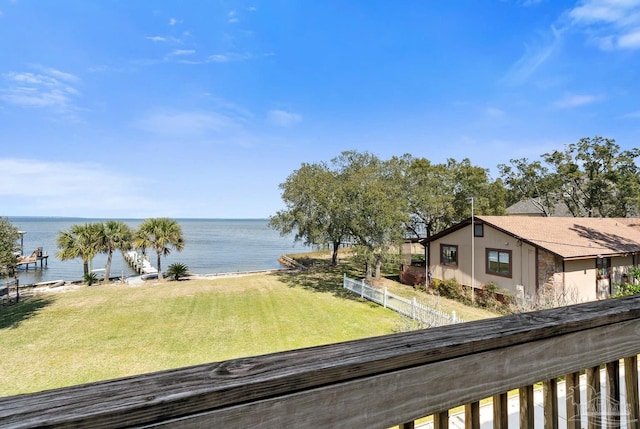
(377, 382)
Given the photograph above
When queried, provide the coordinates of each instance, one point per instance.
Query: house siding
(523, 260)
(555, 254)
(580, 280)
(619, 267)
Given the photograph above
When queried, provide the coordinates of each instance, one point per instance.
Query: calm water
(212, 246)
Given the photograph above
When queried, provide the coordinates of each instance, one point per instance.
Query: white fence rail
(410, 308)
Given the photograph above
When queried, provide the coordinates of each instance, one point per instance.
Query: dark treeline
(376, 203)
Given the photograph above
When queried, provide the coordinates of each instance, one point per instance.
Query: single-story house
(523, 255)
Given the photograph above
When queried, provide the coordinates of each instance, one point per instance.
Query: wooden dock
(36, 256)
(140, 263)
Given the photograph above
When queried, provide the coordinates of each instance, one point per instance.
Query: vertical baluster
(500, 411)
(441, 420)
(526, 407)
(472, 415)
(613, 407)
(572, 396)
(594, 406)
(550, 394)
(631, 389)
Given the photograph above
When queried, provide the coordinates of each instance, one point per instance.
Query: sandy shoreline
(75, 285)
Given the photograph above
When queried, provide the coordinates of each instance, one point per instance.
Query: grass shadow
(11, 316)
(321, 277)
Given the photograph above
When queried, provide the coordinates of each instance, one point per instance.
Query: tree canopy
(160, 234)
(590, 178)
(83, 241)
(375, 203)
(9, 235)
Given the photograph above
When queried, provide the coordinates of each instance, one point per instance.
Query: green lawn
(102, 332)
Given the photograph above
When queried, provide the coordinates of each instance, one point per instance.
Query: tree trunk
(85, 267)
(334, 254)
(367, 274)
(17, 282)
(107, 268)
(378, 266)
(159, 268)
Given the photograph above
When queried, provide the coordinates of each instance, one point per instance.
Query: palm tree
(81, 241)
(160, 234)
(117, 236)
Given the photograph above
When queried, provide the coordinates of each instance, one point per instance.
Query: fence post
(453, 316)
(344, 280)
(413, 308)
(384, 298)
(362, 289)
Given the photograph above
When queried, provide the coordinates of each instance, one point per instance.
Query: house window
(478, 229)
(602, 266)
(499, 262)
(448, 254)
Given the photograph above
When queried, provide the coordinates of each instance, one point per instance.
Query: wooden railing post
(472, 415)
(500, 411)
(550, 394)
(441, 420)
(572, 399)
(631, 390)
(594, 407)
(614, 406)
(526, 407)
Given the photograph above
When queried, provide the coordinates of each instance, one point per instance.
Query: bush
(449, 289)
(177, 270)
(625, 289)
(91, 278)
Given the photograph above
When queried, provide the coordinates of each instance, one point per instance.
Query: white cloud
(609, 24)
(228, 57)
(635, 114)
(576, 100)
(182, 52)
(156, 38)
(283, 118)
(630, 40)
(534, 57)
(48, 88)
(65, 194)
(188, 123)
(164, 39)
(174, 21)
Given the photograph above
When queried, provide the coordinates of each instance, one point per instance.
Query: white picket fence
(410, 308)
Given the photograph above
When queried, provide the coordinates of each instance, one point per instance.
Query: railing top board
(186, 391)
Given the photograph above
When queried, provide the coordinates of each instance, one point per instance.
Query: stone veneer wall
(549, 265)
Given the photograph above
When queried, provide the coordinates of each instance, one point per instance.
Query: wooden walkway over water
(36, 256)
(140, 263)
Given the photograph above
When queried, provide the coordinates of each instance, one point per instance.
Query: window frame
(509, 274)
(442, 258)
(603, 267)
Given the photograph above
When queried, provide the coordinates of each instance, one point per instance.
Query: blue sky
(202, 108)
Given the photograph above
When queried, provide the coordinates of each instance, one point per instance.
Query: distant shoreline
(74, 218)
